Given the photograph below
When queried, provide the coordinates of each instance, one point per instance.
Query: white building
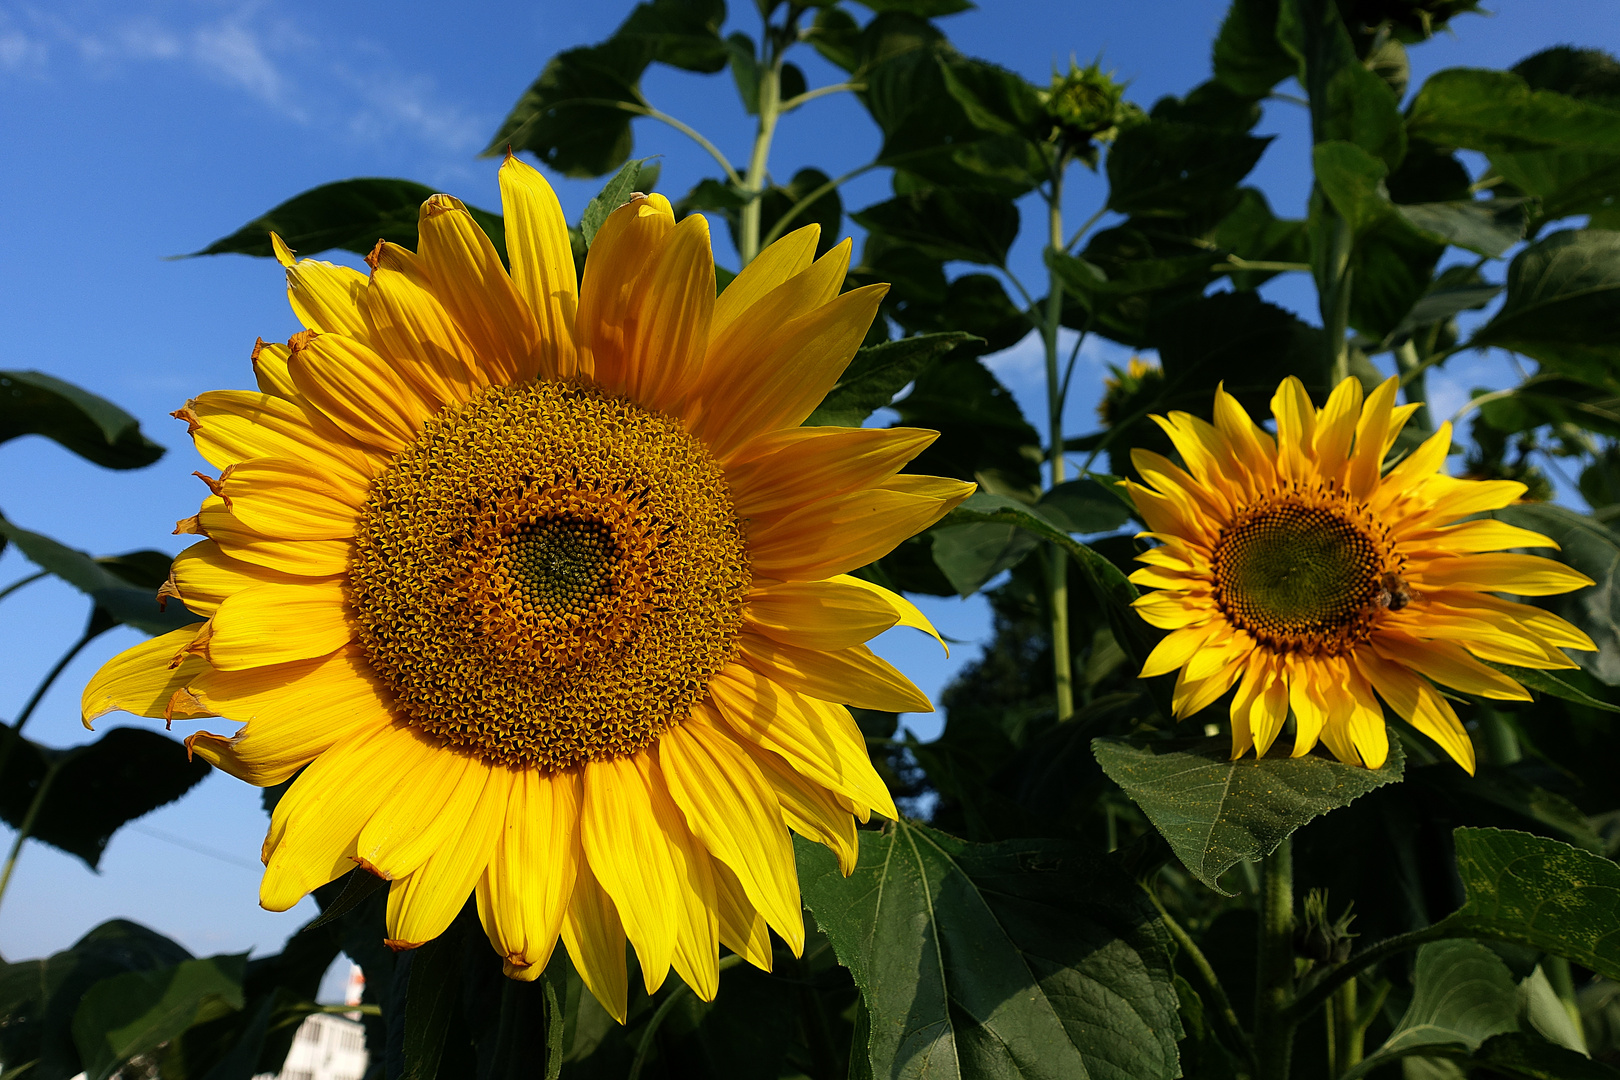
(326, 1047)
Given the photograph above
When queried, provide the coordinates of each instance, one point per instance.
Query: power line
(191, 845)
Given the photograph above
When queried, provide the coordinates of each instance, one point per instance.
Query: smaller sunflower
(1296, 569)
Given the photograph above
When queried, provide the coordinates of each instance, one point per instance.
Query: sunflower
(1298, 570)
(545, 589)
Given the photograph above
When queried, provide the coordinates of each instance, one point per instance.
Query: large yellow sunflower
(1293, 567)
(546, 590)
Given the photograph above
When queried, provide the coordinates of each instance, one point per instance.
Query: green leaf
(1215, 811)
(827, 210)
(348, 214)
(1248, 57)
(1564, 181)
(744, 70)
(1462, 995)
(1549, 683)
(111, 591)
(614, 194)
(1028, 958)
(1163, 168)
(1440, 304)
(1083, 506)
(1353, 181)
(136, 1012)
(38, 998)
(1349, 103)
(983, 435)
(877, 373)
(996, 99)
(1588, 74)
(1593, 549)
(681, 33)
(430, 1000)
(1530, 1058)
(1537, 892)
(1251, 231)
(1563, 305)
(1496, 111)
(970, 555)
(1483, 226)
(98, 787)
(33, 403)
(1239, 339)
(562, 119)
(967, 225)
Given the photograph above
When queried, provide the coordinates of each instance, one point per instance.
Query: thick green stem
(1413, 384)
(1562, 981)
(1336, 299)
(1274, 968)
(770, 101)
(27, 826)
(1057, 562)
(1346, 1035)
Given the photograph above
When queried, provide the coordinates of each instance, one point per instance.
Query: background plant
(1070, 899)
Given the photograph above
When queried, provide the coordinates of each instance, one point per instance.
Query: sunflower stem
(1057, 562)
(1336, 298)
(1274, 967)
(770, 94)
(1345, 1033)
(1413, 386)
(27, 826)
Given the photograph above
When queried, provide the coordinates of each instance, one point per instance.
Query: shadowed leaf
(33, 403)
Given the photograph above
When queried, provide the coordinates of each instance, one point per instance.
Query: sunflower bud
(1088, 107)
(1126, 392)
(1319, 938)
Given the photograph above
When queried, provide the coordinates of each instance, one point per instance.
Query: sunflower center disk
(549, 576)
(1300, 577)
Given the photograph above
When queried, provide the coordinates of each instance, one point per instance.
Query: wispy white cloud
(248, 48)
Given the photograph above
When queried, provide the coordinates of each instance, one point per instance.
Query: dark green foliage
(95, 788)
(33, 403)
(349, 214)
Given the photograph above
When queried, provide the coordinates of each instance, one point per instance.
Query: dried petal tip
(374, 256)
(300, 341)
(192, 423)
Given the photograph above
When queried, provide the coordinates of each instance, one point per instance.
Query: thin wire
(201, 849)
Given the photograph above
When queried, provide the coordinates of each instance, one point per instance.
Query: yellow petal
(143, 678)
(1336, 429)
(837, 534)
(1169, 611)
(784, 470)
(1253, 447)
(729, 807)
(666, 327)
(696, 957)
(536, 861)
(301, 558)
(274, 624)
(202, 576)
(542, 263)
(1310, 709)
(1418, 704)
(817, 738)
(1448, 664)
(359, 392)
(808, 808)
(270, 369)
(471, 283)
(290, 500)
(1296, 428)
(423, 905)
(625, 250)
(410, 327)
(742, 929)
(1372, 433)
(595, 938)
(818, 614)
(324, 295)
(785, 259)
(854, 676)
(1176, 649)
(231, 426)
(424, 815)
(629, 853)
(788, 370)
(1522, 575)
(314, 826)
(1473, 536)
(292, 712)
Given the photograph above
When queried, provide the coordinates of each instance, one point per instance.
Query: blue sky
(141, 129)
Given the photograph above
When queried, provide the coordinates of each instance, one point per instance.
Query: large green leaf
(33, 403)
(1248, 57)
(1533, 891)
(1563, 305)
(681, 33)
(1353, 181)
(983, 435)
(138, 1011)
(1029, 958)
(1593, 549)
(1215, 811)
(104, 581)
(1349, 102)
(1168, 168)
(1462, 994)
(996, 99)
(1497, 111)
(967, 225)
(98, 787)
(877, 373)
(969, 555)
(1483, 226)
(38, 998)
(576, 115)
(348, 214)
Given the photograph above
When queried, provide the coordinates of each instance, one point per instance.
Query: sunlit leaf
(1215, 811)
(111, 590)
(1497, 111)
(614, 194)
(967, 225)
(1029, 958)
(33, 403)
(1484, 226)
(1563, 305)
(1533, 891)
(877, 373)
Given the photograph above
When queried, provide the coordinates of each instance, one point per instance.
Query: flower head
(541, 591)
(1295, 569)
